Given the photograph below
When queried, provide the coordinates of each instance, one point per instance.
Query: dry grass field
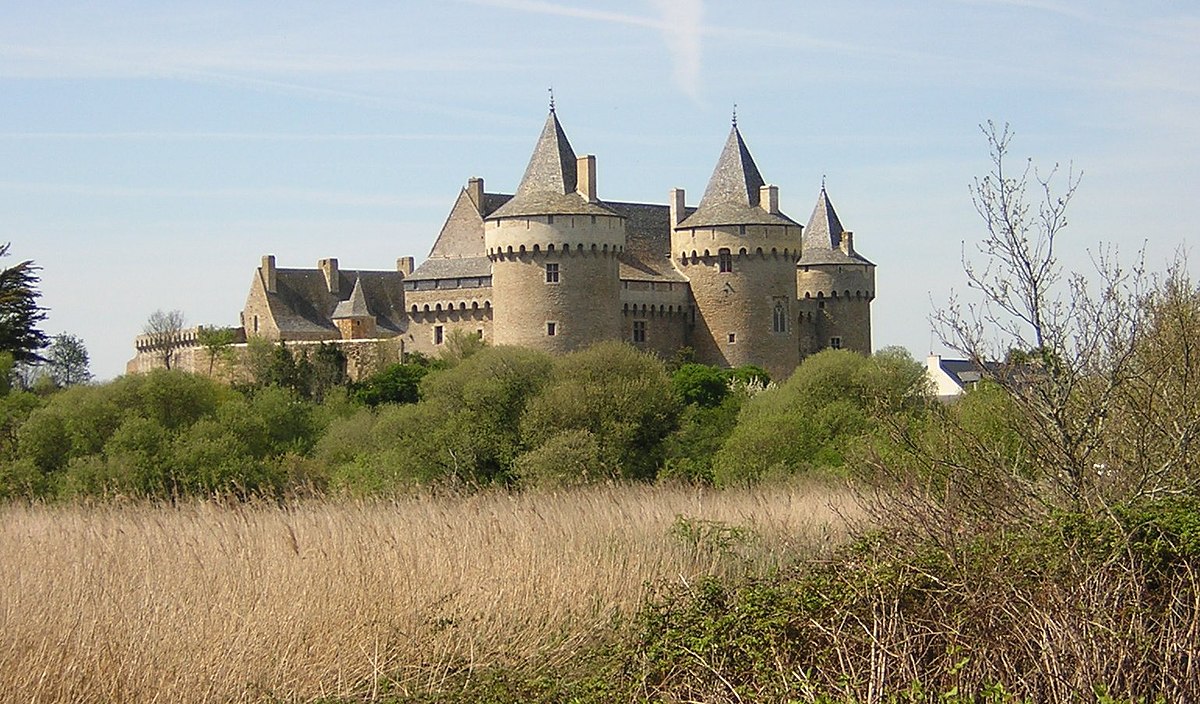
(206, 602)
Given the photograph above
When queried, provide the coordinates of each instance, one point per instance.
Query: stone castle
(554, 267)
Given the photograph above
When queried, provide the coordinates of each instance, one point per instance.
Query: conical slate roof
(824, 230)
(822, 242)
(548, 186)
(353, 307)
(732, 195)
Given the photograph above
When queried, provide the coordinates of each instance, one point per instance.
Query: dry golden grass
(203, 602)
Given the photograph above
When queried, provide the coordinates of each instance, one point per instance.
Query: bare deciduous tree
(1081, 371)
(165, 326)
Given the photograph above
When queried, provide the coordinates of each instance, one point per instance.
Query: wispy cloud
(683, 31)
(258, 137)
(681, 23)
(336, 198)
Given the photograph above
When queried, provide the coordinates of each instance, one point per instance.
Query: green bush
(833, 401)
(621, 396)
(398, 383)
(570, 458)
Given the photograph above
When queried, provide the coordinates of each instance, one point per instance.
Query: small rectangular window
(732, 337)
(725, 261)
(835, 343)
(639, 331)
(437, 334)
(479, 333)
(551, 329)
(549, 219)
(551, 273)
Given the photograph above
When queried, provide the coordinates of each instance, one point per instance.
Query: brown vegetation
(202, 602)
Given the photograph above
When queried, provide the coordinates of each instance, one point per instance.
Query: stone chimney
(848, 242)
(329, 267)
(677, 206)
(475, 192)
(585, 177)
(268, 272)
(768, 199)
(404, 265)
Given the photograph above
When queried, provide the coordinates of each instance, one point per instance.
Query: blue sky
(151, 153)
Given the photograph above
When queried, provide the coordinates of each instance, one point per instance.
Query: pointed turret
(835, 284)
(553, 250)
(824, 230)
(355, 306)
(551, 181)
(735, 190)
(825, 240)
(352, 316)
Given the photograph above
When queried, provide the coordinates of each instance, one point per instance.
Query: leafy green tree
(398, 383)
(67, 360)
(700, 384)
(217, 343)
(461, 344)
(325, 371)
(621, 396)
(477, 408)
(834, 399)
(572, 457)
(19, 311)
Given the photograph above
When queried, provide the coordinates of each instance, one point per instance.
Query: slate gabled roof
(302, 304)
(822, 239)
(732, 195)
(548, 186)
(647, 254)
(459, 251)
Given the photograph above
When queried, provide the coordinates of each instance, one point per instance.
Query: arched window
(724, 261)
(779, 318)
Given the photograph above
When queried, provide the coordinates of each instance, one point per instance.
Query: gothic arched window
(779, 319)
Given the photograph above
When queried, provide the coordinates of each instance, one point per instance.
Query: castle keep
(554, 267)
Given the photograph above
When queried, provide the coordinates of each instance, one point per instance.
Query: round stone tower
(739, 254)
(835, 285)
(554, 252)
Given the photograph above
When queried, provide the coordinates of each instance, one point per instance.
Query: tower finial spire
(735, 115)
(551, 91)
(822, 182)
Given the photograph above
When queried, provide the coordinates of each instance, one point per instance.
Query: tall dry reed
(203, 602)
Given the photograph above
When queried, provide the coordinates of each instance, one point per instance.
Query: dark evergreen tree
(19, 311)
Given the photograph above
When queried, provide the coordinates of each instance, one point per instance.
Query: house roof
(452, 268)
(302, 303)
(647, 254)
(732, 195)
(550, 181)
(822, 239)
(964, 372)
